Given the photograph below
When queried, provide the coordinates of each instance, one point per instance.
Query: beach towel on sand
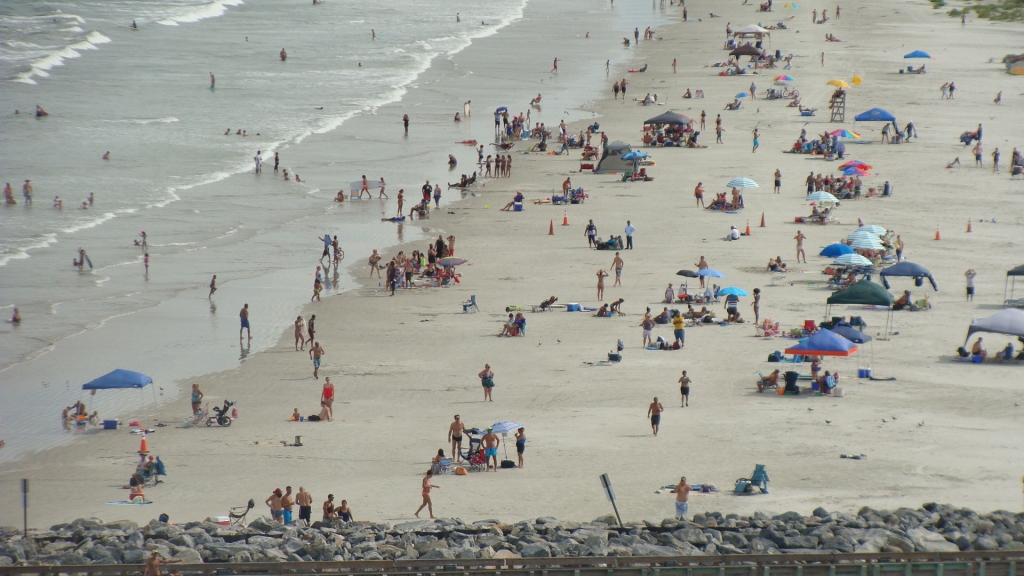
(127, 503)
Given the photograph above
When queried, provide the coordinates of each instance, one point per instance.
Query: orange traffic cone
(969, 225)
(565, 218)
(551, 228)
(748, 228)
(762, 219)
(144, 446)
(938, 234)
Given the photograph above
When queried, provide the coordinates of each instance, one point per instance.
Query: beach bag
(460, 471)
(614, 357)
(313, 418)
(508, 464)
(773, 357)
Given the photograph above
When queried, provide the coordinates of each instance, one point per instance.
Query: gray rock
(986, 543)
(6, 561)
(183, 540)
(608, 519)
(416, 526)
(737, 540)
(820, 512)
(275, 555)
(133, 556)
(536, 550)
(654, 550)
(438, 553)
(691, 535)
(927, 541)
(372, 555)
(188, 556)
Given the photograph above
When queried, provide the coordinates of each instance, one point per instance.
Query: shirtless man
(26, 191)
(329, 508)
(701, 266)
(305, 501)
(365, 188)
(213, 286)
(682, 492)
(426, 485)
(287, 502)
(243, 315)
(617, 265)
(684, 389)
(154, 562)
(800, 246)
(314, 354)
(654, 413)
(490, 443)
(274, 502)
(455, 437)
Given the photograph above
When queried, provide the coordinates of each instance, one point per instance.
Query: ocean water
(332, 110)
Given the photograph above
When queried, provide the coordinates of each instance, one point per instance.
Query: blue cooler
(572, 307)
(517, 207)
(110, 424)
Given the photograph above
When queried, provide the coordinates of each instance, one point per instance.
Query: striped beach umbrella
(852, 260)
(742, 183)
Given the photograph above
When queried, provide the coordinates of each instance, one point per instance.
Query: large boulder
(928, 541)
(536, 550)
(188, 556)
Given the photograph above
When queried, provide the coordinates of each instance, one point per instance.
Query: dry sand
(942, 431)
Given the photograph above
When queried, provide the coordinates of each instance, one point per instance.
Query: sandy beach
(404, 365)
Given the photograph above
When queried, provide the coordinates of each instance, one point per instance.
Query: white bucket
(838, 393)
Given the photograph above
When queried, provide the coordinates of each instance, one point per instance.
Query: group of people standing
(282, 504)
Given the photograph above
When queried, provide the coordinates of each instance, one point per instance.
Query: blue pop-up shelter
(875, 115)
(917, 54)
(823, 343)
(915, 271)
(122, 380)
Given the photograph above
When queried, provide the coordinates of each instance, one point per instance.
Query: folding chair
(237, 514)
(470, 305)
(759, 479)
(810, 326)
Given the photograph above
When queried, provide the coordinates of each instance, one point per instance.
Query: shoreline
(405, 364)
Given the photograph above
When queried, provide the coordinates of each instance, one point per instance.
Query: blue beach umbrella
(505, 426)
(732, 290)
(710, 272)
(635, 155)
(836, 250)
(875, 115)
(742, 95)
(917, 54)
(502, 109)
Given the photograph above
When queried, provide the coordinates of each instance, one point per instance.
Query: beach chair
(810, 326)
(759, 479)
(443, 467)
(195, 419)
(764, 382)
(470, 305)
(238, 513)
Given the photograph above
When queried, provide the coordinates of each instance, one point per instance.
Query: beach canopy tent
(1011, 284)
(1009, 321)
(851, 334)
(745, 50)
(670, 117)
(611, 158)
(915, 271)
(862, 293)
(875, 115)
(751, 30)
(121, 380)
(823, 343)
(917, 54)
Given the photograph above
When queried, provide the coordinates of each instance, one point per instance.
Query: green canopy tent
(864, 293)
(1011, 276)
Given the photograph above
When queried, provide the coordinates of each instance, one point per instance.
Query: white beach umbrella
(852, 260)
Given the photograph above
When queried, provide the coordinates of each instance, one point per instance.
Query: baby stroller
(474, 456)
(222, 416)
(968, 137)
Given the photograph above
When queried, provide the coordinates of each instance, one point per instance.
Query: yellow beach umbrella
(856, 80)
(838, 82)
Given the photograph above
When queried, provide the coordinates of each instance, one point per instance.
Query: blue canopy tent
(121, 380)
(875, 115)
(915, 271)
(851, 334)
(917, 54)
(823, 343)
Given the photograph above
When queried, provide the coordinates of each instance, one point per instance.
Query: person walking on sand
(898, 246)
(405, 121)
(197, 399)
(970, 274)
(679, 329)
(258, 159)
(243, 315)
(995, 160)
(591, 233)
(520, 444)
(487, 381)
(310, 328)
(647, 324)
(327, 398)
(213, 286)
(300, 334)
(999, 98)
(601, 275)
(654, 413)
(673, 65)
(617, 265)
(756, 143)
(554, 67)
(455, 437)
(682, 492)
(490, 442)
(778, 181)
(800, 246)
(756, 305)
(314, 354)
(698, 193)
(630, 229)
(426, 486)
(684, 389)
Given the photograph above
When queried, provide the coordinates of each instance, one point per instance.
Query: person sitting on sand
(602, 312)
(295, 416)
(977, 350)
(732, 302)
(733, 234)
(769, 381)
(517, 199)
(903, 301)
(547, 303)
(687, 94)
(734, 105)
(1004, 355)
(508, 327)
(137, 494)
(340, 197)
(436, 460)
(664, 318)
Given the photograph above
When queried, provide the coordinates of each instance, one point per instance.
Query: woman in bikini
(300, 328)
(426, 495)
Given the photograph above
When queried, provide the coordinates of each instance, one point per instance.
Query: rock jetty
(932, 528)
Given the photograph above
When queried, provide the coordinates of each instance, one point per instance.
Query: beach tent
(670, 117)
(1009, 321)
(121, 380)
(875, 115)
(915, 271)
(917, 54)
(1010, 285)
(611, 158)
(851, 334)
(751, 30)
(863, 293)
(823, 343)
(745, 50)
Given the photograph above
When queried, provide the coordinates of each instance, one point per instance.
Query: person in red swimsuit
(327, 398)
